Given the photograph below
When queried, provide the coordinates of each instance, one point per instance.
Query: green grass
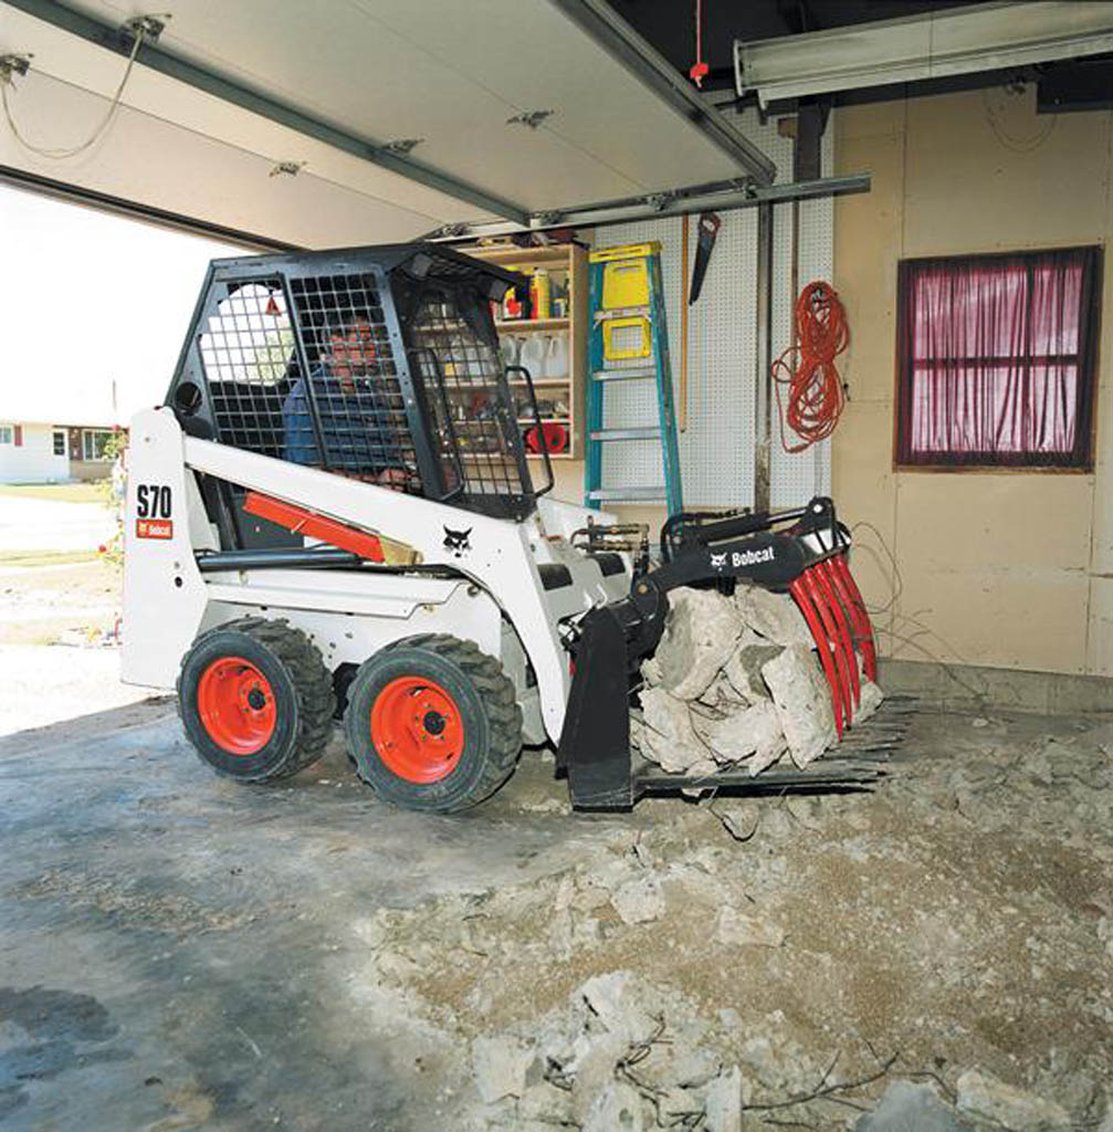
(45, 557)
(59, 492)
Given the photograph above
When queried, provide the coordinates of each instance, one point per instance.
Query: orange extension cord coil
(815, 393)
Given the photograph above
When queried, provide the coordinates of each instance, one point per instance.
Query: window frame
(56, 435)
(86, 435)
(7, 434)
(1087, 360)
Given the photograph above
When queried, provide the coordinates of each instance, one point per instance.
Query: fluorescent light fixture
(952, 41)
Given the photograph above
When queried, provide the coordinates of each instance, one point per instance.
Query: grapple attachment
(803, 551)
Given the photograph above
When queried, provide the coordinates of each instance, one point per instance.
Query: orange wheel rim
(417, 730)
(236, 705)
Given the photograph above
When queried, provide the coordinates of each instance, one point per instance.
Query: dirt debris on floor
(938, 952)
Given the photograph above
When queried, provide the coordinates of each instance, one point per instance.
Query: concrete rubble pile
(736, 682)
(627, 1054)
(621, 1055)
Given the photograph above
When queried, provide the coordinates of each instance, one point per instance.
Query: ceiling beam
(717, 196)
(121, 41)
(621, 42)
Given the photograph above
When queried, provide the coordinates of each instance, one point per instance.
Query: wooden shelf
(508, 255)
(531, 325)
(567, 263)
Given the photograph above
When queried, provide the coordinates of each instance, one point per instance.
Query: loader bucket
(594, 748)
(832, 605)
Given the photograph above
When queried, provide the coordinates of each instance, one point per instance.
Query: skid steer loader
(334, 513)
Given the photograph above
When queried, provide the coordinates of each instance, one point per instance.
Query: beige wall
(1007, 569)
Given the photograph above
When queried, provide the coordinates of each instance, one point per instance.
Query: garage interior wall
(1010, 569)
(717, 448)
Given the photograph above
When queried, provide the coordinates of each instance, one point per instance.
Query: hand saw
(709, 223)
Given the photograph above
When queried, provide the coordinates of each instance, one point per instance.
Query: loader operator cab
(379, 364)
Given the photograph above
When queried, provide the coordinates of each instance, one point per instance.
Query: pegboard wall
(717, 448)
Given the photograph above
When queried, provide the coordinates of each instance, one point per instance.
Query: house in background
(54, 451)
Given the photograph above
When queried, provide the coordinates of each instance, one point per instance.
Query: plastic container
(541, 294)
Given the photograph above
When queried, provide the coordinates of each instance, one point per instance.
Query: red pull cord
(815, 392)
(699, 68)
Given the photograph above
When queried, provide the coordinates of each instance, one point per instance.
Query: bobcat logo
(457, 542)
(718, 561)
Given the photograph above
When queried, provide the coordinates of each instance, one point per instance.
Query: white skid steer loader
(334, 511)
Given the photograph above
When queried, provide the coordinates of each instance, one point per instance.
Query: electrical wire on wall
(61, 153)
(997, 113)
(906, 628)
(813, 396)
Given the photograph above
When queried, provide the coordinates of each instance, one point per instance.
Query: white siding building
(38, 452)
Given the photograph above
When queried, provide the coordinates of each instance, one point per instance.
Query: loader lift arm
(802, 551)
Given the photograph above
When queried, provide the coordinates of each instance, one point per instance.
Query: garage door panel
(197, 177)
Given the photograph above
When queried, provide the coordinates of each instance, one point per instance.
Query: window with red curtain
(997, 359)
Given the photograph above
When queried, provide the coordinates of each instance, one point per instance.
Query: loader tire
(433, 724)
(256, 699)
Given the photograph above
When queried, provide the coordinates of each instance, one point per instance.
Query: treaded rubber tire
(302, 689)
(485, 698)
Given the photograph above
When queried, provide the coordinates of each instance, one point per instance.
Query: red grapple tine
(857, 603)
(826, 583)
(842, 667)
(859, 619)
(811, 616)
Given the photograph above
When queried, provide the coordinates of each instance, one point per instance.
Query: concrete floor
(177, 950)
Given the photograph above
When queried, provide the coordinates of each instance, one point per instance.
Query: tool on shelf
(629, 342)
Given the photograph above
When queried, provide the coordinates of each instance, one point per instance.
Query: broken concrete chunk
(639, 901)
(736, 929)
(690, 1068)
(666, 736)
(614, 999)
(545, 1104)
(983, 1096)
(500, 1065)
(702, 629)
(592, 1071)
(722, 694)
(743, 667)
(773, 616)
(724, 1102)
(907, 1105)
(871, 699)
(803, 702)
(753, 730)
(618, 1108)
